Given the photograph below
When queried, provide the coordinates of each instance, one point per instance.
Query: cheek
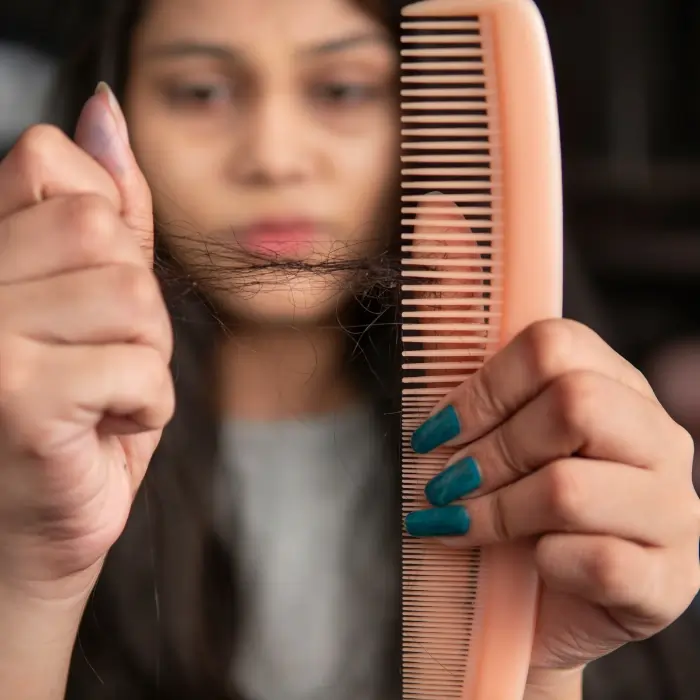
(370, 172)
(182, 181)
(369, 187)
(180, 170)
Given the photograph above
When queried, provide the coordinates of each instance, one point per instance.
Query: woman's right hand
(85, 346)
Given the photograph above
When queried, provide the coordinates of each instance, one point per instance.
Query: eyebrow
(182, 49)
(344, 43)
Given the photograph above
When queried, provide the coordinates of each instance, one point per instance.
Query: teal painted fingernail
(438, 522)
(436, 431)
(455, 482)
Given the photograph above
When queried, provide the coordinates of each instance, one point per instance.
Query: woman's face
(268, 132)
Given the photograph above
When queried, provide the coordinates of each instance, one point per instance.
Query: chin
(303, 300)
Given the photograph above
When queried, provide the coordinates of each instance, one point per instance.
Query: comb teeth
(451, 298)
(464, 612)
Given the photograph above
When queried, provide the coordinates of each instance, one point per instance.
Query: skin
(573, 446)
(77, 431)
(237, 116)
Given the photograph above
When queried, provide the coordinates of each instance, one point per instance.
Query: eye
(345, 93)
(199, 94)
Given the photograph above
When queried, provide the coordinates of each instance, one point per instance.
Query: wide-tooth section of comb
(479, 130)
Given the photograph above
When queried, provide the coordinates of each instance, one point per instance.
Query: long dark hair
(161, 622)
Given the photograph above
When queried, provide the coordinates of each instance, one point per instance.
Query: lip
(279, 236)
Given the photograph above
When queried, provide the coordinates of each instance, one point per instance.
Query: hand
(85, 343)
(559, 439)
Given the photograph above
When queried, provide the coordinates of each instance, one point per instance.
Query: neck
(279, 373)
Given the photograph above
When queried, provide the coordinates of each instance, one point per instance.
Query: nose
(274, 149)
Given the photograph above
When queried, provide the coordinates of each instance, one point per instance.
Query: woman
(259, 558)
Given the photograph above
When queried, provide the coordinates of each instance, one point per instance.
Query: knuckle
(567, 496)
(607, 574)
(137, 290)
(685, 443)
(676, 586)
(576, 402)
(16, 371)
(168, 396)
(694, 516)
(685, 515)
(93, 223)
(694, 577)
(168, 334)
(639, 380)
(136, 287)
(158, 377)
(549, 346)
(35, 146)
(673, 593)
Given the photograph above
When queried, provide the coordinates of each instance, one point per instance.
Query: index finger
(45, 163)
(444, 322)
(539, 355)
(452, 334)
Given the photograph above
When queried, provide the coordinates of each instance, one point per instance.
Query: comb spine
(532, 291)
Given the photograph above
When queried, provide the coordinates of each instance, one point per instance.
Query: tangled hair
(161, 622)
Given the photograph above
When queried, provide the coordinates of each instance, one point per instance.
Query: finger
(446, 252)
(605, 570)
(572, 495)
(445, 255)
(643, 589)
(48, 397)
(565, 419)
(445, 342)
(45, 163)
(72, 232)
(114, 304)
(544, 352)
(101, 131)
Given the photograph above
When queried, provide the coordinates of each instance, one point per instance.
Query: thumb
(453, 314)
(102, 132)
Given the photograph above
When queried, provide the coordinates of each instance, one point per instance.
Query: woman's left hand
(560, 439)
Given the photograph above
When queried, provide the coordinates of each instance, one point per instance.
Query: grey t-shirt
(304, 504)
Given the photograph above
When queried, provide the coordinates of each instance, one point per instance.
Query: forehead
(292, 23)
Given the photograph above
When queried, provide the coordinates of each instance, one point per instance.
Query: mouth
(292, 237)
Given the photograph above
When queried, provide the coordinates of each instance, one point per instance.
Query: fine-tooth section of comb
(481, 260)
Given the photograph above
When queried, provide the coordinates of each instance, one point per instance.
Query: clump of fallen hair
(215, 266)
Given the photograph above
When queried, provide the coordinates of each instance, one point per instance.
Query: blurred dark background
(628, 75)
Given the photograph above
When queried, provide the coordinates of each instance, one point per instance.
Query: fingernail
(436, 431)
(438, 522)
(98, 134)
(457, 481)
(117, 112)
